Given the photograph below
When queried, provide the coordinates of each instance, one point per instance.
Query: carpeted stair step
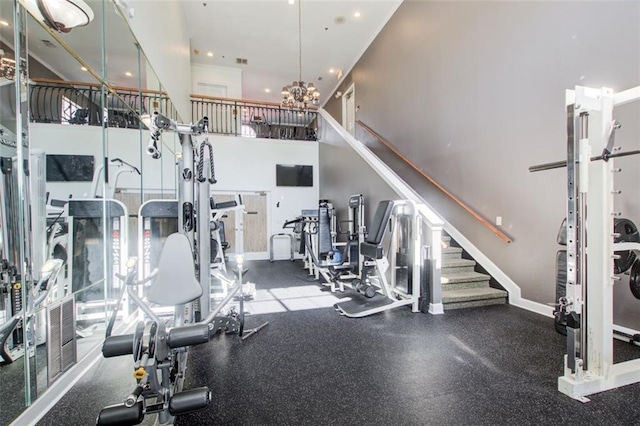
(455, 266)
(473, 297)
(451, 253)
(464, 280)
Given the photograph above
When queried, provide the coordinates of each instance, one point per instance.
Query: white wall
(161, 30)
(122, 143)
(245, 164)
(224, 77)
(242, 164)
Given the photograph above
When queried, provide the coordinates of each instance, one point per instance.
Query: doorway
(349, 110)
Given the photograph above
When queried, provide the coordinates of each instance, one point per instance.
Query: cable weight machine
(592, 243)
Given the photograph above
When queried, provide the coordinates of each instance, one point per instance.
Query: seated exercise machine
(160, 355)
(183, 280)
(317, 229)
(392, 279)
(351, 262)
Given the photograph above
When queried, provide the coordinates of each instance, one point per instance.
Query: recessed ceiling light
(331, 70)
(292, 1)
(83, 68)
(4, 23)
(356, 15)
(210, 54)
(128, 74)
(267, 90)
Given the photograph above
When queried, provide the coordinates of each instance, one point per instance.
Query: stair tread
(472, 294)
(449, 263)
(451, 250)
(458, 277)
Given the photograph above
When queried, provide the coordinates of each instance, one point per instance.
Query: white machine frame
(589, 364)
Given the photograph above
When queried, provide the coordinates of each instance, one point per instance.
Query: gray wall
(473, 93)
(344, 173)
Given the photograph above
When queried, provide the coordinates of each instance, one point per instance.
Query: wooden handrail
(466, 208)
(246, 101)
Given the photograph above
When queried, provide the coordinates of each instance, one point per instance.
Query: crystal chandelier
(300, 94)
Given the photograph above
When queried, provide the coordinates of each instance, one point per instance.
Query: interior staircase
(462, 286)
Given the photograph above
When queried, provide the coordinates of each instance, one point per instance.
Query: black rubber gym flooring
(486, 366)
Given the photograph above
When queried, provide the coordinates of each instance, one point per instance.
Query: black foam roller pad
(188, 335)
(189, 400)
(121, 415)
(117, 345)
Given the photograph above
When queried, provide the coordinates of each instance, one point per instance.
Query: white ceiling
(265, 32)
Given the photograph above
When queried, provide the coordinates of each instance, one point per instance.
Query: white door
(349, 110)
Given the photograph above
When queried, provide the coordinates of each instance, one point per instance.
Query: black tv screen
(294, 175)
(70, 168)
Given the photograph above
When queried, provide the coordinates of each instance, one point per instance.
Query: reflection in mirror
(88, 149)
(19, 293)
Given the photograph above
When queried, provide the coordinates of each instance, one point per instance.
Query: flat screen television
(70, 168)
(294, 175)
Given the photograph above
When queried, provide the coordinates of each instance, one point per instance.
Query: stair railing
(455, 199)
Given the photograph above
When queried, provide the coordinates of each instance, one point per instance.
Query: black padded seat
(371, 248)
(175, 283)
(379, 222)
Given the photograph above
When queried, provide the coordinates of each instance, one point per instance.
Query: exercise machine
(160, 355)
(591, 248)
(390, 278)
(182, 280)
(92, 276)
(109, 188)
(352, 261)
(13, 332)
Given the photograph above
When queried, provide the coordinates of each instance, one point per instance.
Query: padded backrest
(562, 233)
(176, 281)
(324, 230)
(380, 221)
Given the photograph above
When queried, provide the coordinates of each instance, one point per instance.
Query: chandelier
(300, 94)
(8, 67)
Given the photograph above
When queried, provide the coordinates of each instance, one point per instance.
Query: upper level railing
(69, 102)
(455, 199)
(239, 117)
(77, 103)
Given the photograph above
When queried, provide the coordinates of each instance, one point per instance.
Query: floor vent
(61, 337)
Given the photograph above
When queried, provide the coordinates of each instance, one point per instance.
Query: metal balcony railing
(75, 103)
(237, 117)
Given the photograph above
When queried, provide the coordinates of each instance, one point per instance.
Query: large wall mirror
(77, 114)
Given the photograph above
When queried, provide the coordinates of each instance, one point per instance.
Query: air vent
(48, 43)
(241, 61)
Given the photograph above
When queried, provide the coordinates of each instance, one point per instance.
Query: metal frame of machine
(589, 364)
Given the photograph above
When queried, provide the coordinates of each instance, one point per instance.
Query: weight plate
(628, 233)
(634, 279)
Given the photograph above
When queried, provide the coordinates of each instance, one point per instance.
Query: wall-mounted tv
(294, 175)
(70, 168)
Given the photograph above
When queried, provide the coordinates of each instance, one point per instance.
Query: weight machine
(392, 279)
(182, 279)
(591, 246)
(85, 259)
